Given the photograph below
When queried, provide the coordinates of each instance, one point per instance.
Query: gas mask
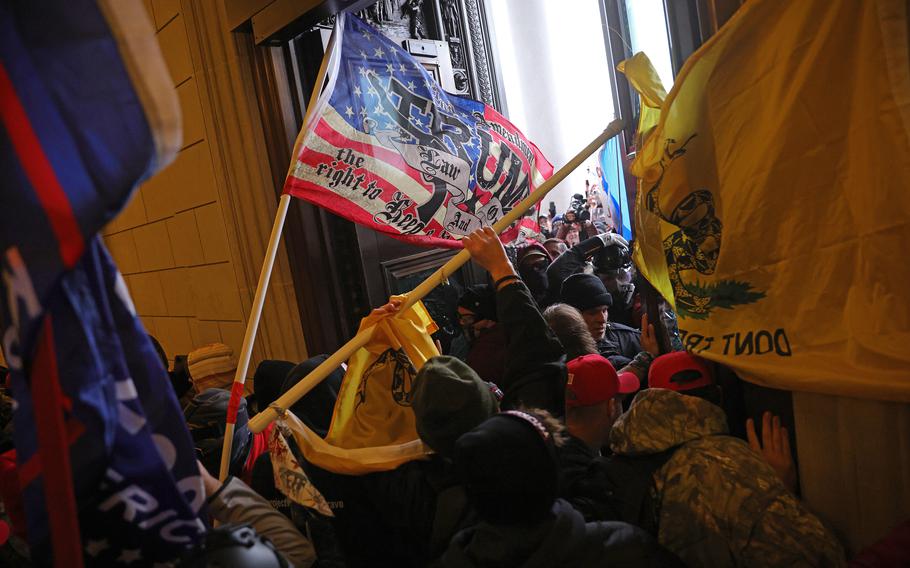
(619, 283)
(613, 265)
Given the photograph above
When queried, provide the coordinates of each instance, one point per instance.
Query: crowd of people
(560, 436)
(588, 214)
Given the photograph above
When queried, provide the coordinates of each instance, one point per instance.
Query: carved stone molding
(480, 66)
(456, 52)
(460, 23)
(461, 80)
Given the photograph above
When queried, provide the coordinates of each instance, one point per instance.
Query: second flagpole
(317, 375)
(265, 274)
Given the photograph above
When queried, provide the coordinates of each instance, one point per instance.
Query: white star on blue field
(373, 76)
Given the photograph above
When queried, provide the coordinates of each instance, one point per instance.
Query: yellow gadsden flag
(373, 426)
(773, 202)
(374, 404)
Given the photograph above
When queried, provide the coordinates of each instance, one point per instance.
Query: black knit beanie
(584, 291)
(480, 299)
(508, 465)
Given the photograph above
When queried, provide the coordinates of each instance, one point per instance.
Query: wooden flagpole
(252, 324)
(317, 375)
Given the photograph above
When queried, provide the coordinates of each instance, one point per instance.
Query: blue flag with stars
(106, 467)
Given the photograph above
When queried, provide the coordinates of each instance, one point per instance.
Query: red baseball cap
(592, 380)
(679, 371)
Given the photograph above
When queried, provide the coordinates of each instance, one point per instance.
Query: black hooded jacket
(578, 483)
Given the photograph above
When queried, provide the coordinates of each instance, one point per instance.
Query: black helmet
(612, 258)
(234, 546)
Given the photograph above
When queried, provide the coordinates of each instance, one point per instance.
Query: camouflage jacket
(719, 503)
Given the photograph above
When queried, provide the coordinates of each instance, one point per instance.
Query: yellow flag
(773, 204)
(644, 79)
(374, 404)
(373, 426)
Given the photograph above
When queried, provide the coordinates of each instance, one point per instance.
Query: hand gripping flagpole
(317, 375)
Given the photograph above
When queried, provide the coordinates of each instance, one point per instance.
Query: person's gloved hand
(610, 239)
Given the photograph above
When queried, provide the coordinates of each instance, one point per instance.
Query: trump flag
(385, 146)
(87, 110)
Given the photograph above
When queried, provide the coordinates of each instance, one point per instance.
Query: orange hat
(213, 366)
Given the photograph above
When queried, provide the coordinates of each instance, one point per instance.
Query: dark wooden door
(340, 270)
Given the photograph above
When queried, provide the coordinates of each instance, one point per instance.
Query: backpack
(205, 416)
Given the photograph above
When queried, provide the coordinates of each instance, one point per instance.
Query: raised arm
(573, 260)
(534, 372)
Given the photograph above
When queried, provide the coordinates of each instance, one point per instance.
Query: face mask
(535, 278)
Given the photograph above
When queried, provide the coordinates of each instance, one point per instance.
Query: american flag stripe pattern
(386, 147)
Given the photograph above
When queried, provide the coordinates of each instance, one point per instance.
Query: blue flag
(87, 110)
(613, 181)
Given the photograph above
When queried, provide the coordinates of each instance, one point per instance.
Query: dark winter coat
(487, 353)
(620, 344)
(535, 371)
(404, 517)
(578, 482)
(564, 540)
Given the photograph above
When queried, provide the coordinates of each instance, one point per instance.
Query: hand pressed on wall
(774, 447)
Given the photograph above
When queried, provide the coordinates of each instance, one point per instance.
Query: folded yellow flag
(374, 404)
(773, 206)
(373, 427)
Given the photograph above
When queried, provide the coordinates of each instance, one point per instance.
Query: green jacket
(718, 502)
